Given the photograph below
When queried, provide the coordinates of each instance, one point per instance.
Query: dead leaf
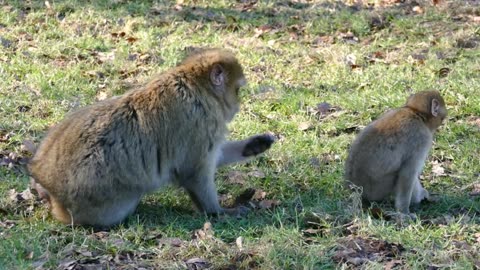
(205, 233)
(443, 72)
(475, 121)
(95, 74)
(238, 242)
(100, 235)
(268, 204)
(118, 35)
(103, 57)
(477, 236)
(304, 126)
(376, 57)
(378, 213)
(260, 31)
(323, 40)
(236, 177)
(259, 195)
(351, 60)
(417, 9)
(442, 220)
(437, 169)
(28, 147)
(475, 190)
(358, 250)
(392, 264)
(312, 232)
(23, 108)
(17, 197)
(256, 173)
(468, 43)
(418, 58)
(172, 242)
(324, 109)
(101, 96)
(197, 264)
(348, 38)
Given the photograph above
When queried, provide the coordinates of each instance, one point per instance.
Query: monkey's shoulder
(399, 121)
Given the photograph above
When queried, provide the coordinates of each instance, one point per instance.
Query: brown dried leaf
(475, 190)
(172, 242)
(304, 126)
(468, 43)
(103, 57)
(197, 264)
(437, 169)
(475, 121)
(259, 195)
(417, 9)
(101, 96)
(205, 233)
(442, 220)
(443, 72)
(357, 250)
(268, 204)
(236, 177)
(257, 174)
(100, 235)
(477, 236)
(17, 197)
(392, 264)
(28, 147)
(131, 39)
(348, 38)
(259, 31)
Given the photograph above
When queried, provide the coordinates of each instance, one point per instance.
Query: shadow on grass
(334, 15)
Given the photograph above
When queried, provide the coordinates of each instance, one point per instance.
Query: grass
(58, 57)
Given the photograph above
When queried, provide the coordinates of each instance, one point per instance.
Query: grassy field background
(318, 72)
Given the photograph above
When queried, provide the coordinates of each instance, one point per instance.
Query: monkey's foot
(258, 144)
(403, 219)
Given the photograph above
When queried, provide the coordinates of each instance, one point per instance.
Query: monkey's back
(381, 149)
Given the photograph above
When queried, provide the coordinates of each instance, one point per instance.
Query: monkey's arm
(237, 151)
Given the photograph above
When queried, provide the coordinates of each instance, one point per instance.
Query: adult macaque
(96, 165)
(387, 157)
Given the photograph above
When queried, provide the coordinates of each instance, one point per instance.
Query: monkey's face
(232, 97)
(227, 79)
(439, 120)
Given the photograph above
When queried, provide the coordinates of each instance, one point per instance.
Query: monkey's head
(221, 76)
(430, 104)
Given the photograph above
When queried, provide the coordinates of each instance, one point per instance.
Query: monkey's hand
(258, 144)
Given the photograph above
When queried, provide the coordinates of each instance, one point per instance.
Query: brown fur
(99, 162)
(387, 157)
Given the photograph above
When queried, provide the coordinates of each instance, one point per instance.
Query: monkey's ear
(435, 107)
(217, 75)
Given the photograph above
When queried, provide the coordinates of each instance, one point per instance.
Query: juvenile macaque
(387, 157)
(95, 166)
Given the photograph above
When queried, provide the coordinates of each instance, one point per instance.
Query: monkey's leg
(419, 193)
(60, 212)
(237, 151)
(404, 187)
(203, 192)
